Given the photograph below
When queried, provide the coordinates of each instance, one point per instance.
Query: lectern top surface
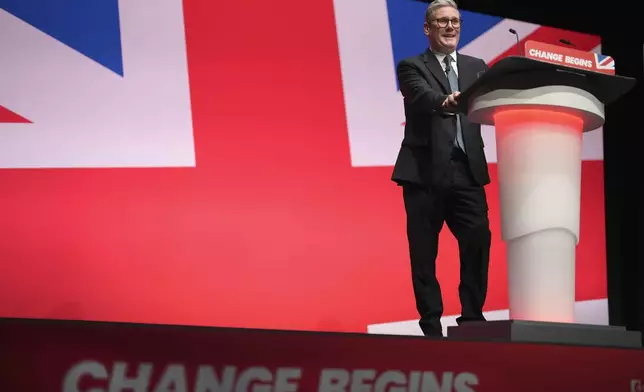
(520, 73)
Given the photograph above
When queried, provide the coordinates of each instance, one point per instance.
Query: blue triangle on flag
(90, 27)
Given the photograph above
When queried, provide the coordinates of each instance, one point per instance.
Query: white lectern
(540, 111)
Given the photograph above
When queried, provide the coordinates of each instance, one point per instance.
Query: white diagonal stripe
(83, 114)
(498, 39)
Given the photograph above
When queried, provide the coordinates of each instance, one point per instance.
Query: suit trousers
(462, 204)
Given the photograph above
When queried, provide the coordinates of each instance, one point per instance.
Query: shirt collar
(441, 56)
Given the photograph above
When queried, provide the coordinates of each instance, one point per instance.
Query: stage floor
(48, 355)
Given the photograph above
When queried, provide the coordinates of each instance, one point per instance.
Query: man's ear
(426, 28)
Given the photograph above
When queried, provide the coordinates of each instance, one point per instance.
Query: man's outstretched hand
(450, 101)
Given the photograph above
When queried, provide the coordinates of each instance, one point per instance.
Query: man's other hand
(451, 101)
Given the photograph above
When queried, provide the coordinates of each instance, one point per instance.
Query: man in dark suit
(442, 169)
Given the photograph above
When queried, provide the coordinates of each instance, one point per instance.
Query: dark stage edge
(542, 332)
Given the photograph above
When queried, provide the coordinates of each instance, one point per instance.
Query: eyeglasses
(443, 22)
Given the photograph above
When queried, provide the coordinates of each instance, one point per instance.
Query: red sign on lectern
(570, 57)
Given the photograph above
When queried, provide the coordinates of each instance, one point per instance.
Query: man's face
(444, 29)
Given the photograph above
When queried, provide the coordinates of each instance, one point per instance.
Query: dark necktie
(453, 84)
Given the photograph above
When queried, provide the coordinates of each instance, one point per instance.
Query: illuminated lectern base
(540, 111)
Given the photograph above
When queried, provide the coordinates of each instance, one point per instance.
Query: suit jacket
(429, 131)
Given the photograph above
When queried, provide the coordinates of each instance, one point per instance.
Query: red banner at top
(570, 57)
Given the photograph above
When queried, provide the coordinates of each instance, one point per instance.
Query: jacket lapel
(437, 70)
(466, 77)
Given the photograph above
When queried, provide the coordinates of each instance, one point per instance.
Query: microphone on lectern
(566, 42)
(513, 31)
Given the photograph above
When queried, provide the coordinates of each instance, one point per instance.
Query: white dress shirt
(441, 58)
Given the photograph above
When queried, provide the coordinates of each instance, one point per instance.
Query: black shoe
(462, 320)
(434, 334)
(431, 328)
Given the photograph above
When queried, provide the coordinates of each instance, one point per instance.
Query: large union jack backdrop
(228, 164)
